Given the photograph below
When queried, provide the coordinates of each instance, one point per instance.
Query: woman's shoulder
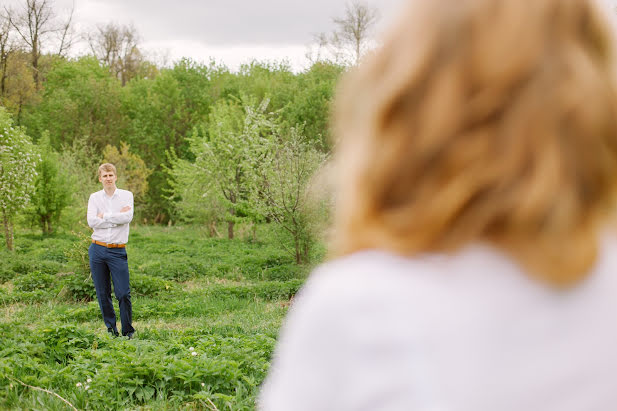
(375, 281)
(373, 270)
(474, 270)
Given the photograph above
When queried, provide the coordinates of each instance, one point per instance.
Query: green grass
(207, 312)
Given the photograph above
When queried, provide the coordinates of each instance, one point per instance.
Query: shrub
(20, 265)
(62, 342)
(146, 285)
(80, 313)
(54, 254)
(77, 286)
(271, 290)
(49, 267)
(6, 274)
(35, 280)
(34, 296)
(77, 252)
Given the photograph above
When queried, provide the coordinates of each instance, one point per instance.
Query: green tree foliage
(281, 190)
(271, 81)
(132, 171)
(18, 161)
(228, 150)
(162, 112)
(83, 105)
(18, 89)
(80, 99)
(52, 188)
(80, 161)
(193, 195)
(310, 104)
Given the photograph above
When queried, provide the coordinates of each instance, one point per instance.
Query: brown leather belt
(109, 245)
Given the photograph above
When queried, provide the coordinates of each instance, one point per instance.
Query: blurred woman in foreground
(476, 264)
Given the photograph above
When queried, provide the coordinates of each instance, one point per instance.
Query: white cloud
(230, 31)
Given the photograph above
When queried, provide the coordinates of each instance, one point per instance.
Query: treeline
(169, 128)
(195, 142)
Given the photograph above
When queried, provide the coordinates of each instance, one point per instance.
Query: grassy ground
(206, 310)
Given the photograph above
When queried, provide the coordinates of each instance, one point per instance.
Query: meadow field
(207, 312)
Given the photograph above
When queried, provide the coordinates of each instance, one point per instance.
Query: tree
(35, 24)
(52, 188)
(162, 112)
(6, 47)
(281, 189)
(229, 149)
(20, 90)
(80, 99)
(117, 47)
(190, 191)
(17, 87)
(18, 161)
(80, 161)
(352, 36)
(132, 171)
(310, 103)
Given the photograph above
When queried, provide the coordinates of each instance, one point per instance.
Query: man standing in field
(109, 213)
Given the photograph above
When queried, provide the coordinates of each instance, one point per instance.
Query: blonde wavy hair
(482, 121)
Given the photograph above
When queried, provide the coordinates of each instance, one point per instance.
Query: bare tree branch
(6, 47)
(352, 36)
(117, 47)
(67, 35)
(34, 23)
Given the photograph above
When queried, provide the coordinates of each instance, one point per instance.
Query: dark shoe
(130, 335)
(114, 333)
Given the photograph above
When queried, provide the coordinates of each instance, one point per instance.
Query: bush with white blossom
(18, 160)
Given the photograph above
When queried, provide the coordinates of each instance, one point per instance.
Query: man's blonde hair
(490, 121)
(107, 167)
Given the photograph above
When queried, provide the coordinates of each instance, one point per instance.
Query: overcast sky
(229, 31)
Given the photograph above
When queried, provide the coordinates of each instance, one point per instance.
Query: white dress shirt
(463, 332)
(113, 228)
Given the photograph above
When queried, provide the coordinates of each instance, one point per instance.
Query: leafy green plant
(34, 281)
(63, 341)
(77, 251)
(272, 290)
(146, 285)
(52, 190)
(77, 286)
(18, 161)
(48, 267)
(282, 192)
(6, 274)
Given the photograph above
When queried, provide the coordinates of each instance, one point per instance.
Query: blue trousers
(103, 262)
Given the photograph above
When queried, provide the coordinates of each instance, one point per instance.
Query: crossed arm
(99, 219)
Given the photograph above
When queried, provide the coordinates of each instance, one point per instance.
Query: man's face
(108, 178)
